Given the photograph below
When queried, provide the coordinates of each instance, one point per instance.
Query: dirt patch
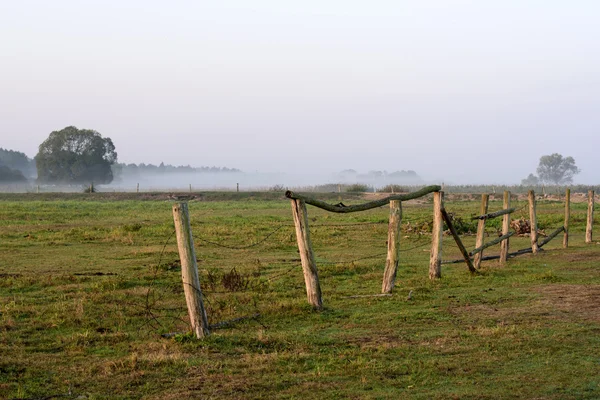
(582, 257)
(580, 300)
(566, 302)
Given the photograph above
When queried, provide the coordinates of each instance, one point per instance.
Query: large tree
(556, 169)
(74, 155)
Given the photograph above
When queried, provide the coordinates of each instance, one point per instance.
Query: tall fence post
(393, 250)
(137, 188)
(435, 260)
(309, 266)
(189, 270)
(504, 246)
(567, 217)
(590, 217)
(533, 222)
(481, 229)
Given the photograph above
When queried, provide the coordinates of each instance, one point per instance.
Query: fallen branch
(489, 244)
(459, 243)
(551, 236)
(341, 208)
(495, 214)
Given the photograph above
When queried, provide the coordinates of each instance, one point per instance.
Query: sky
(459, 91)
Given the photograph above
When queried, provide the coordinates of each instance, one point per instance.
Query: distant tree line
(81, 156)
(15, 166)
(122, 170)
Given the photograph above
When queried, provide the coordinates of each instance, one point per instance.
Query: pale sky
(459, 91)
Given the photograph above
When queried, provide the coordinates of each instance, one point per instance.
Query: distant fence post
(590, 217)
(435, 260)
(504, 246)
(189, 271)
(237, 187)
(481, 229)
(137, 188)
(567, 217)
(309, 266)
(533, 222)
(393, 250)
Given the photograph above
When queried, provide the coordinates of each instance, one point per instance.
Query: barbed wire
(242, 247)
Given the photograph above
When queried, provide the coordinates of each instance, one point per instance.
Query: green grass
(89, 282)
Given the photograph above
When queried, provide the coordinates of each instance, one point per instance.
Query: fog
(459, 91)
(252, 181)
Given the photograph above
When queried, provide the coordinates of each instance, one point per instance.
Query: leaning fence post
(533, 222)
(309, 266)
(481, 229)
(567, 217)
(393, 250)
(590, 217)
(435, 260)
(504, 246)
(189, 270)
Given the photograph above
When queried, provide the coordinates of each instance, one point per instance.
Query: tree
(8, 175)
(531, 180)
(556, 170)
(77, 156)
(17, 161)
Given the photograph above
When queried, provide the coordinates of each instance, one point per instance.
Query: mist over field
(178, 181)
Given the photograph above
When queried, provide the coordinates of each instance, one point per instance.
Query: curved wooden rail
(340, 208)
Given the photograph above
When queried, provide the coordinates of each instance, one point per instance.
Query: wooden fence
(473, 258)
(309, 266)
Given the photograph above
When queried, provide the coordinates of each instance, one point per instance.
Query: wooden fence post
(189, 270)
(137, 189)
(533, 222)
(504, 246)
(481, 229)
(309, 266)
(590, 217)
(567, 217)
(393, 250)
(435, 260)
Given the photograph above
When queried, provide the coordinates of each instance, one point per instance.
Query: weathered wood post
(189, 270)
(533, 222)
(137, 189)
(237, 187)
(435, 259)
(590, 217)
(393, 250)
(190, 188)
(481, 229)
(309, 266)
(504, 246)
(567, 217)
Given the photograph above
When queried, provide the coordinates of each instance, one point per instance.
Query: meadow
(90, 285)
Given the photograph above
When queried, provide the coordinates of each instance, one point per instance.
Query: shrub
(394, 189)
(358, 187)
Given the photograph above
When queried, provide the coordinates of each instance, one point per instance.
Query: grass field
(88, 283)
